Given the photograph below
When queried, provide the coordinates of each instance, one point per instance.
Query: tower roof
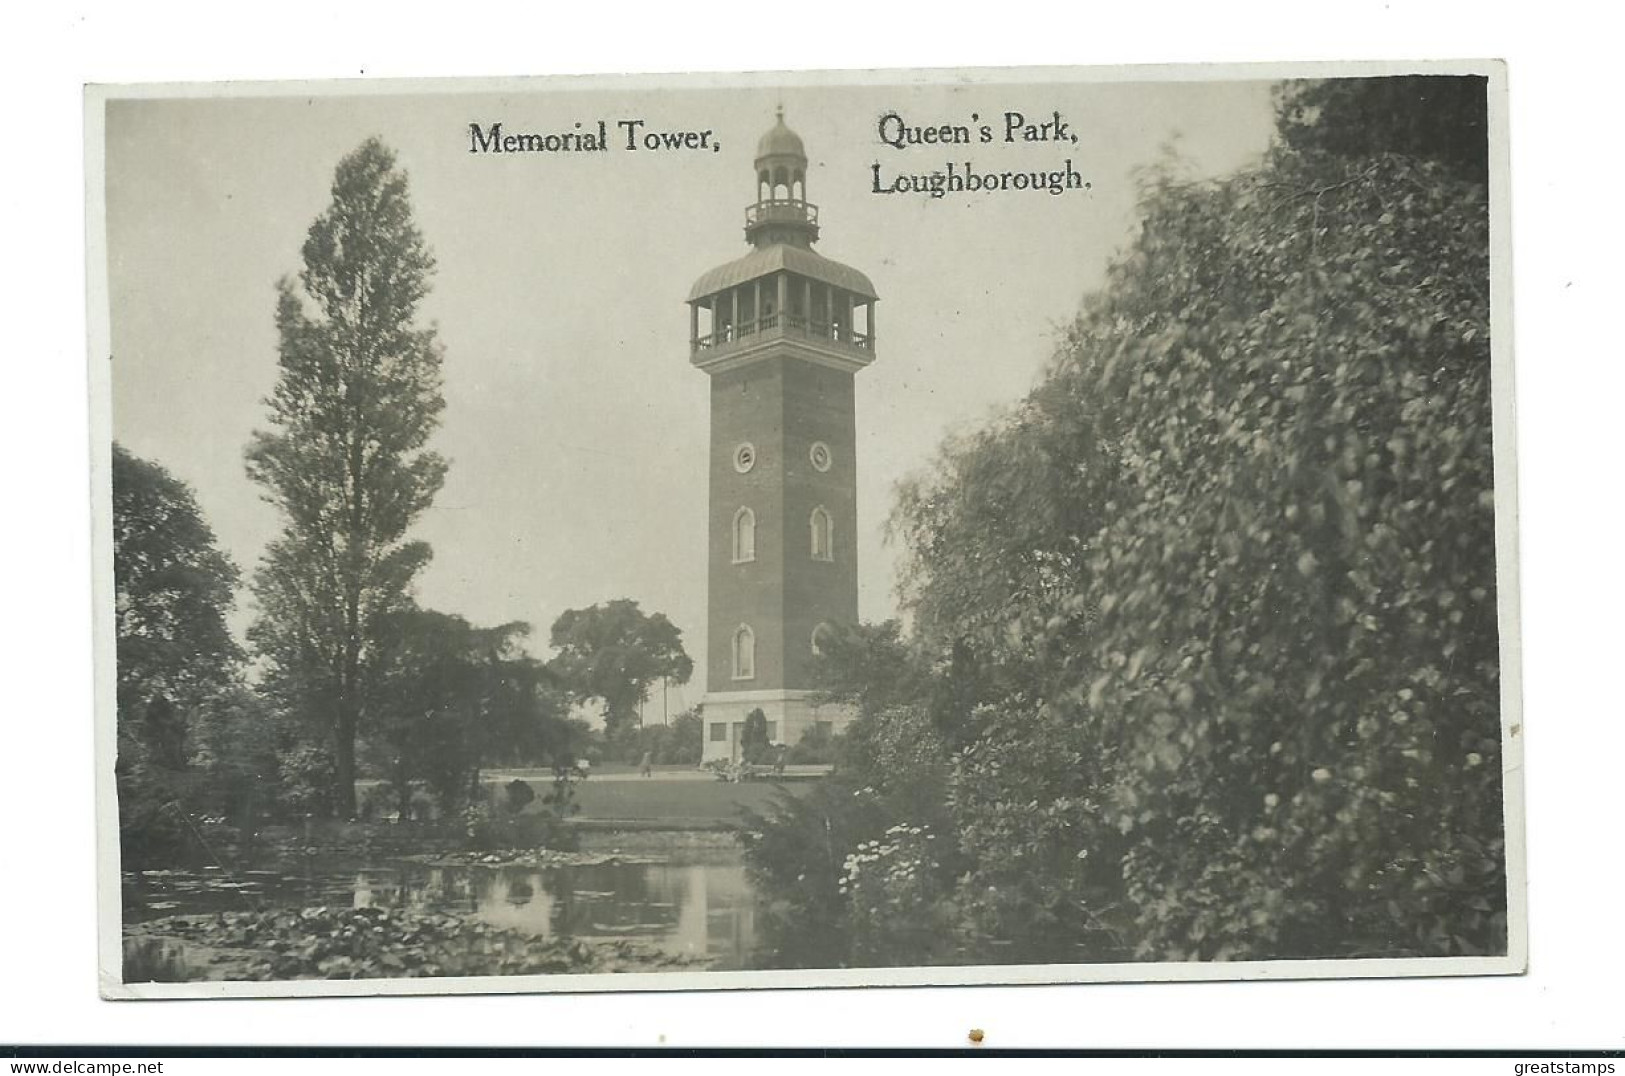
(798, 260)
(780, 141)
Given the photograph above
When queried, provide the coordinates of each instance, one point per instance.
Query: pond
(702, 905)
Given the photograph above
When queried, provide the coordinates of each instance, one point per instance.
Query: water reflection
(696, 909)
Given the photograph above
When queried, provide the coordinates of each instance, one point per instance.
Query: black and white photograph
(1006, 525)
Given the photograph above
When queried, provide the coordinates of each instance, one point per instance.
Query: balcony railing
(786, 325)
(777, 210)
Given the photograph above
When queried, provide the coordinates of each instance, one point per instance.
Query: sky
(575, 427)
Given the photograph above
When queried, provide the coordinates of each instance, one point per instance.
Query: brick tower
(781, 332)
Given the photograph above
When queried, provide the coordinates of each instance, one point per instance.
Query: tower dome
(780, 142)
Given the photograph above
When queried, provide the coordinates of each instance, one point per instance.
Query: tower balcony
(781, 220)
(781, 211)
(751, 333)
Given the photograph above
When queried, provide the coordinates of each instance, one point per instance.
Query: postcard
(805, 530)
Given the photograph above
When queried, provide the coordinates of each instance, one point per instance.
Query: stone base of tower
(790, 715)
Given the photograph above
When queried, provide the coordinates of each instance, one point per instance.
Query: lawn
(677, 794)
(683, 801)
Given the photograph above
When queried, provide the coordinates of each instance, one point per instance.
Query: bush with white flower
(895, 894)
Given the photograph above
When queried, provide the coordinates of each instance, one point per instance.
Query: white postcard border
(108, 879)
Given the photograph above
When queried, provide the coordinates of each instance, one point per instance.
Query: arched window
(744, 536)
(821, 636)
(823, 543)
(744, 653)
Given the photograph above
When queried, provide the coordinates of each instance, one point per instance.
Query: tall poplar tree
(358, 397)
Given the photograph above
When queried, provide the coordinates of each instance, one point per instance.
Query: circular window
(744, 457)
(819, 454)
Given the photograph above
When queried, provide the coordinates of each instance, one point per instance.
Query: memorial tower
(781, 332)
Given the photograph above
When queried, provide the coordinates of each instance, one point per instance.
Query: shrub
(797, 851)
(794, 852)
(1027, 797)
(677, 744)
(684, 741)
(817, 747)
(517, 795)
(895, 888)
(754, 747)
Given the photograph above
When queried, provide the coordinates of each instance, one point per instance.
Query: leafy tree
(1278, 642)
(448, 696)
(526, 714)
(1238, 549)
(999, 534)
(175, 654)
(614, 652)
(802, 850)
(305, 779)
(869, 667)
(1442, 118)
(899, 755)
(685, 740)
(996, 534)
(355, 404)
(237, 746)
(426, 694)
(173, 591)
(1297, 644)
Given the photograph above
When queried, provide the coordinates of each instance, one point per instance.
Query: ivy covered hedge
(1295, 640)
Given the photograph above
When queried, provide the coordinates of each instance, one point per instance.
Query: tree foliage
(615, 652)
(867, 667)
(1297, 642)
(679, 743)
(683, 742)
(176, 658)
(443, 694)
(1209, 621)
(237, 750)
(356, 401)
(996, 535)
(1440, 118)
(173, 591)
(1029, 798)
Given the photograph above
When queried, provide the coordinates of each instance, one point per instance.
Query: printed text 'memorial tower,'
(781, 332)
